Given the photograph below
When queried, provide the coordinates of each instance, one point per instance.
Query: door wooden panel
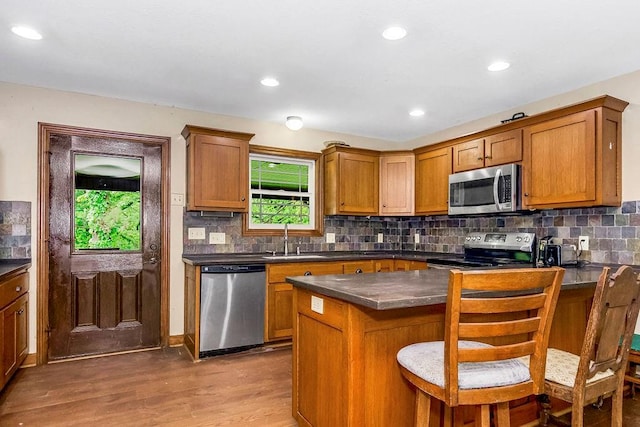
(107, 300)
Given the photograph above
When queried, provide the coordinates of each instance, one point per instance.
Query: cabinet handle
(342, 204)
(242, 200)
(18, 288)
(308, 273)
(479, 158)
(21, 311)
(526, 194)
(487, 157)
(358, 270)
(384, 206)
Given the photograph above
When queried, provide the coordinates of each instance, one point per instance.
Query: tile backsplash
(15, 230)
(614, 233)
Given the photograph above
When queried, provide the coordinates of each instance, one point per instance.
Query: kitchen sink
(293, 256)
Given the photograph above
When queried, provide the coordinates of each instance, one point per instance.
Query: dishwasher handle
(232, 268)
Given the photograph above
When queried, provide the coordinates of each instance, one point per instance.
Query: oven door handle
(496, 180)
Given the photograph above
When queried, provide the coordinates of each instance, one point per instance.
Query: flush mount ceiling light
(270, 82)
(26, 32)
(294, 122)
(498, 66)
(394, 33)
(416, 113)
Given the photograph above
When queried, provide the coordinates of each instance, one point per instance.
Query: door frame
(44, 132)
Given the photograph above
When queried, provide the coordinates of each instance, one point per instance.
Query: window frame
(317, 212)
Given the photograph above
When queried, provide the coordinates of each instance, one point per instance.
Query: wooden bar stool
(599, 369)
(492, 319)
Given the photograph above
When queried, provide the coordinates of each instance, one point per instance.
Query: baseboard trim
(176, 340)
(30, 361)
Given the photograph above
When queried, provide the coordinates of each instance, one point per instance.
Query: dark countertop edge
(8, 267)
(246, 258)
(404, 301)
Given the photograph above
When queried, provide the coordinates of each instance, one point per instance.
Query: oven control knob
(518, 239)
(526, 239)
(467, 238)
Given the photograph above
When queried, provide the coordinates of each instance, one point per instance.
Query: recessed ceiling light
(498, 66)
(394, 33)
(416, 113)
(270, 81)
(26, 32)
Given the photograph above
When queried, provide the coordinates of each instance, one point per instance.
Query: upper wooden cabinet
(351, 179)
(433, 168)
(498, 149)
(575, 160)
(397, 177)
(217, 169)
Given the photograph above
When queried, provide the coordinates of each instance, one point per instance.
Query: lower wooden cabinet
(14, 322)
(279, 305)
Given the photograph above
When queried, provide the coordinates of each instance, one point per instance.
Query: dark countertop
(266, 258)
(11, 266)
(403, 289)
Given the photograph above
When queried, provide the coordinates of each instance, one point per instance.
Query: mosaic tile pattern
(15, 230)
(614, 233)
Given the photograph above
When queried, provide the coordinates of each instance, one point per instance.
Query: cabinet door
(559, 161)
(280, 311)
(359, 175)
(503, 148)
(14, 327)
(218, 173)
(432, 181)
(397, 179)
(468, 155)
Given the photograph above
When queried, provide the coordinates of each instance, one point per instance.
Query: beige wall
(23, 107)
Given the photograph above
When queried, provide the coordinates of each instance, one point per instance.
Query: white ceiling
(335, 69)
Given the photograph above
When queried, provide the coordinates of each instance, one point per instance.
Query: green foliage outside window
(107, 220)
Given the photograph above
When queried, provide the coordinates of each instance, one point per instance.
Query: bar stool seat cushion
(426, 360)
(562, 368)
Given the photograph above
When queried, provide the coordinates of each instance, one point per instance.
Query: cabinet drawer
(356, 267)
(278, 273)
(321, 308)
(13, 288)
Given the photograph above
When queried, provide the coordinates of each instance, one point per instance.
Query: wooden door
(358, 183)
(432, 181)
(397, 180)
(468, 155)
(103, 300)
(503, 148)
(560, 161)
(217, 169)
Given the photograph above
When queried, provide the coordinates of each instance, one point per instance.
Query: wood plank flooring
(165, 388)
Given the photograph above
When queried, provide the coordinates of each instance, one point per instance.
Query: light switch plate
(583, 243)
(331, 237)
(317, 304)
(380, 238)
(416, 238)
(196, 233)
(217, 238)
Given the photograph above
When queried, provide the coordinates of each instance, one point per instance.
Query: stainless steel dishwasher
(232, 299)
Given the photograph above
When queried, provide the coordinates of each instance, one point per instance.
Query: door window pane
(107, 203)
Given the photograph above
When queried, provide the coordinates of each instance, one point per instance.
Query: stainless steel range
(492, 249)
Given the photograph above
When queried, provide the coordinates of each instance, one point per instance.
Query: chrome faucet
(286, 239)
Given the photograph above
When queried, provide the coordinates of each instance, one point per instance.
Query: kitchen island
(348, 329)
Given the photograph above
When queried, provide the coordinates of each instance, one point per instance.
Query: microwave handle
(496, 180)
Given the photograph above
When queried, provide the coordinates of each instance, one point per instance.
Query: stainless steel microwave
(487, 190)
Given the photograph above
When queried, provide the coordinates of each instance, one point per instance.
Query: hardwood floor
(164, 387)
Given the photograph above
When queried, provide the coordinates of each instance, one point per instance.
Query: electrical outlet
(217, 238)
(583, 243)
(416, 238)
(380, 238)
(177, 199)
(330, 237)
(196, 233)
